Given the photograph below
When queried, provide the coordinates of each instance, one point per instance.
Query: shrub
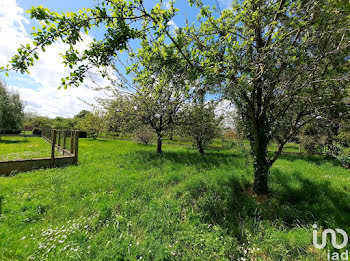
(341, 155)
(344, 159)
(144, 135)
(12, 131)
(82, 134)
(312, 147)
(231, 134)
(37, 132)
(199, 122)
(313, 144)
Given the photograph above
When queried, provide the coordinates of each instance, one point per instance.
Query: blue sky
(39, 89)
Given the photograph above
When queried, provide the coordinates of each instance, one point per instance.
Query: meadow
(125, 202)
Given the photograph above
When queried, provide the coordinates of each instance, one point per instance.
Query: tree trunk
(159, 144)
(200, 147)
(201, 150)
(259, 143)
(261, 173)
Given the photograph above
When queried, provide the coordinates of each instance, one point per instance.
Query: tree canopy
(199, 122)
(94, 123)
(11, 110)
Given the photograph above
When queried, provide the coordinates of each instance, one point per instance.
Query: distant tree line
(11, 109)
(38, 121)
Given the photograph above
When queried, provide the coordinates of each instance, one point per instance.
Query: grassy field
(14, 148)
(125, 202)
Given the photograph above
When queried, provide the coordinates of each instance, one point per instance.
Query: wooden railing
(65, 141)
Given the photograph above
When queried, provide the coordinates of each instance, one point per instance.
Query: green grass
(14, 148)
(125, 202)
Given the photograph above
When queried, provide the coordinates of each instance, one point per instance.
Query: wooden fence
(64, 141)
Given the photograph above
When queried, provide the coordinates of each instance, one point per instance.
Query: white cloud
(173, 24)
(12, 29)
(45, 99)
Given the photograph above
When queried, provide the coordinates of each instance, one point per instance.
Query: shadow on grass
(298, 199)
(184, 157)
(13, 141)
(295, 201)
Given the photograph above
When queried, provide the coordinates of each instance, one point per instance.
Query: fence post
(59, 138)
(299, 148)
(71, 142)
(53, 141)
(76, 146)
(64, 140)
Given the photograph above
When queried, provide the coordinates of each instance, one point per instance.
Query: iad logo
(333, 238)
(333, 233)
